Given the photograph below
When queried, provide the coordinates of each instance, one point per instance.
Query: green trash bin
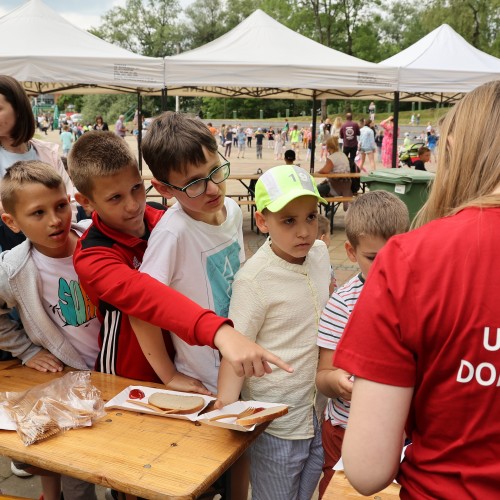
(409, 185)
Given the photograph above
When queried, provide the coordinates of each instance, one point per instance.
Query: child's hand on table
(44, 361)
(184, 383)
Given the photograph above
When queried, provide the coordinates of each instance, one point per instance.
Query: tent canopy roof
(443, 61)
(38, 45)
(262, 58)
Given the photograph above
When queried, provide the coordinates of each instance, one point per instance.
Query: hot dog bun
(183, 404)
(263, 416)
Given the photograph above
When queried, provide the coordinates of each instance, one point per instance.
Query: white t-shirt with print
(68, 305)
(199, 260)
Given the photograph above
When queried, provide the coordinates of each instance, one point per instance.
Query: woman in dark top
(100, 124)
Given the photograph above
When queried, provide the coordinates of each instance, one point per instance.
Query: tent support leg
(164, 99)
(395, 159)
(313, 134)
(139, 130)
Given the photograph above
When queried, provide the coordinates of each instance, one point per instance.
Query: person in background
(228, 142)
(433, 375)
(295, 140)
(371, 110)
(379, 139)
(241, 142)
(367, 146)
(324, 236)
(289, 157)
(432, 140)
(17, 128)
(424, 156)
(249, 133)
(388, 126)
(349, 133)
(120, 128)
(100, 124)
(336, 126)
(259, 141)
(372, 219)
(278, 145)
(66, 139)
(336, 163)
(407, 141)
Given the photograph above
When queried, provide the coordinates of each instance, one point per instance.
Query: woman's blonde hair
(332, 143)
(468, 156)
(337, 122)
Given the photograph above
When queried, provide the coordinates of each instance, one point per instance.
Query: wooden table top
(145, 455)
(241, 176)
(340, 489)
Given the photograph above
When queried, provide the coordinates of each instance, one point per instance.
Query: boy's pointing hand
(246, 357)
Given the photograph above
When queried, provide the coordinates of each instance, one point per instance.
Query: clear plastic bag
(48, 409)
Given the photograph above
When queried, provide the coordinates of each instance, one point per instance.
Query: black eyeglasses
(199, 186)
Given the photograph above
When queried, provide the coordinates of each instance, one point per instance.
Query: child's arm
(330, 381)
(150, 339)
(228, 385)
(106, 277)
(15, 340)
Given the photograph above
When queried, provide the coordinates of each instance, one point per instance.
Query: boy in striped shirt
(370, 221)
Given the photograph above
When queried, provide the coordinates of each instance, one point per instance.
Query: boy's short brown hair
(97, 154)
(323, 225)
(26, 172)
(377, 213)
(422, 150)
(175, 141)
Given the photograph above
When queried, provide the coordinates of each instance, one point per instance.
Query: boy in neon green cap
(277, 298)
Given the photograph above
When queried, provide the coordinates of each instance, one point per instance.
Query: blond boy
(370, 221)
(38, 278)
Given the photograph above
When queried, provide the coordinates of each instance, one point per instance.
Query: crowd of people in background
(364, 141)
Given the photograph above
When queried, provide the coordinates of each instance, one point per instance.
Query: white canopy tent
(47, 53)
(262, 58)
(442, 65)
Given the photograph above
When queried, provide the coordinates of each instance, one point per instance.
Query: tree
(206, 22)
(147, 27)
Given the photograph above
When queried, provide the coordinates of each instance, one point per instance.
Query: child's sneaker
(19, 472)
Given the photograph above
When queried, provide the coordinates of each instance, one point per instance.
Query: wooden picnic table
(149, 456)
(340, 489)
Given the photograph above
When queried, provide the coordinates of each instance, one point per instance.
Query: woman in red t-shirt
(423, 341)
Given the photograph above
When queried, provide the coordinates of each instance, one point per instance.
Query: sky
(83, 13)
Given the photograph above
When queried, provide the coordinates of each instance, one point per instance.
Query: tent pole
(395, 131)
(164, 99)
(313, 134)
(139, 130)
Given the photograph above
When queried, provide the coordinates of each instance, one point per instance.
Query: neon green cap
(277, 187)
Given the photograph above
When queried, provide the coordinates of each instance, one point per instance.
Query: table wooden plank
(150, 456)
(340, 489)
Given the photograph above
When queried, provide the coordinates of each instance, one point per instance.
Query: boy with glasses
(109, 254)
(197, 246)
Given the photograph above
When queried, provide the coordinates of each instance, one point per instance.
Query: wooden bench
(334, 203)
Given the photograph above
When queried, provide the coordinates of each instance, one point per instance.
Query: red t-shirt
(429, 318)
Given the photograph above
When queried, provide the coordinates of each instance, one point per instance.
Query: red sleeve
(378, 341)
(106, 277)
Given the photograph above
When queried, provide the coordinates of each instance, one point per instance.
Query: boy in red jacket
(107, 259)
